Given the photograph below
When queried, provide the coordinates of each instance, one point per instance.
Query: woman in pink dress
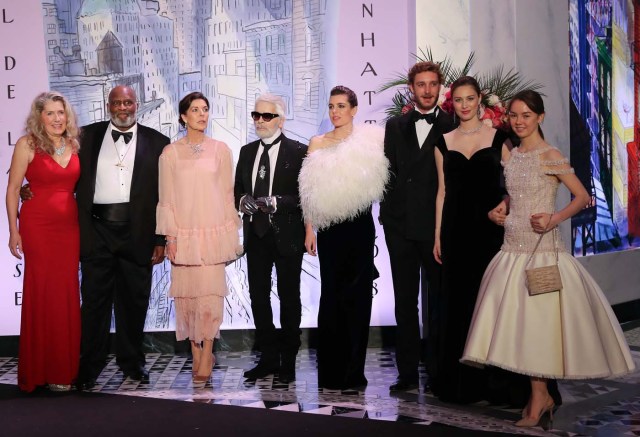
(48, 236)
(196, 212)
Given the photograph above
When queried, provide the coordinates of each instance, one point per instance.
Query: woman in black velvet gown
(470, 185)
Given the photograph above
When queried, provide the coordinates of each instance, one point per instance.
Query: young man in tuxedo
(266, 192)
(407, 214)
(117, 195)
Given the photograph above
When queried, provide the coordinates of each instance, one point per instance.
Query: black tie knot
(267, 146)
(116, 134)
(429, 118)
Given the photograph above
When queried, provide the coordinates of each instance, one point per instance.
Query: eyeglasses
(266, 116)
(125, 103)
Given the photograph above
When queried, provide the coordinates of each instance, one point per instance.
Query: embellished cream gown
(571, 334)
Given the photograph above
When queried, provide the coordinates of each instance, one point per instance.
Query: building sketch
(231, 50)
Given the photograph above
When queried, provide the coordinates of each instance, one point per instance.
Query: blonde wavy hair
(38, 139)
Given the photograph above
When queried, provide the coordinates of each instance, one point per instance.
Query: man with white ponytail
(266, 193)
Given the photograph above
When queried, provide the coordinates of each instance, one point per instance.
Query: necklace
(196, 149)
(121, 160)
(470, 131)
(59, 151)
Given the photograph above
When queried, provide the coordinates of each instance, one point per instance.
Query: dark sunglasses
(266, 116)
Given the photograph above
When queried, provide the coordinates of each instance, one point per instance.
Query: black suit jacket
(287, 222)
(144, 189)
(408, 206)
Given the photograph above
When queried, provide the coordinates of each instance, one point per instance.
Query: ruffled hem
(478, 362)
(165, 220)
(198, 281)
(198, 318)
(196, 247)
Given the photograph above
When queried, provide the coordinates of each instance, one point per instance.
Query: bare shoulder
(317, 142)
(552, 154)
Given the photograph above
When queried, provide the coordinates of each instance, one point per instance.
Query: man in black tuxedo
(266, 192)
(407, 214)
(117, 195)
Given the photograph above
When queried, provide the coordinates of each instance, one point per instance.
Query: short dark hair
(466, 81)
(421, 67)
(343, 90)
(185, 103)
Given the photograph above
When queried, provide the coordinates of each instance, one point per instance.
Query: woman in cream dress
(196, 212)
(570, 334)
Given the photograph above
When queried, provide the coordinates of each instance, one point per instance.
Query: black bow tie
(116, 134)
(430, 118)
(268, 146)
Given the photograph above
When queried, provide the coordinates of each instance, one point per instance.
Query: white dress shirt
(273, 157)
(115, 168)
(423, 128)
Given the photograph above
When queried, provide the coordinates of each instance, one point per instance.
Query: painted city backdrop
(605, 122)
(232, 51)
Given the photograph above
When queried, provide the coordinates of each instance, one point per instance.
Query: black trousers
(262, 254)
(408, 258)
(111, 279)
(346, 252)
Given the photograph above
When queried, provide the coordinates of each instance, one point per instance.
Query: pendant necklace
(470, 131)
(121, 160)
(59, 151)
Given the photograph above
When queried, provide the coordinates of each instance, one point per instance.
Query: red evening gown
(50, 326)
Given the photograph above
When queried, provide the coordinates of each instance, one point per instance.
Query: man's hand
(26, 193)
(267, 204)
(158, 255)
(248, 205)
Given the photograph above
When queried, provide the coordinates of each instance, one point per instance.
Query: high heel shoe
(198, 378)
(541, 420)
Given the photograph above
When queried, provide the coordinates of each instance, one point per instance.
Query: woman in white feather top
(344, 173)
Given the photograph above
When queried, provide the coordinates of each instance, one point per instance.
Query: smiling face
(465, 102)
(197, 116)
(340, 110)
(122, 107)
(524, 122)
(267, 129)
(54, 119)
(426, 90)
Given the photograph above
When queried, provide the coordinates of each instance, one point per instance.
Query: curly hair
(37, 137)
(421, 67)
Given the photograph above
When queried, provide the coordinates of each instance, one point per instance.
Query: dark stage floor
(609, 407)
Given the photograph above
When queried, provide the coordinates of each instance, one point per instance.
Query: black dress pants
(112, 279)
(262, 254)
(408, 258)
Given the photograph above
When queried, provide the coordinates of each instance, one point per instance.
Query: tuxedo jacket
(287, 221)
(143, 197)
(408, 206)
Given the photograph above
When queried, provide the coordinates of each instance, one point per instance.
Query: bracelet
(172, 241)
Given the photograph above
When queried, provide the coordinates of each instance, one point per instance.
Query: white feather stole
(339, 182)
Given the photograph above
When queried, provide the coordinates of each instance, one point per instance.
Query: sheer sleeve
(165, 212)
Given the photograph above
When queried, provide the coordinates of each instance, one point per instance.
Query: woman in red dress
(47, 235)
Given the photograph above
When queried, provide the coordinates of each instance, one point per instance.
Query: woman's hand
(437, 254)
(15, 244)
(542, 222)
(310, 242)
(498, 215)
(171, 248)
